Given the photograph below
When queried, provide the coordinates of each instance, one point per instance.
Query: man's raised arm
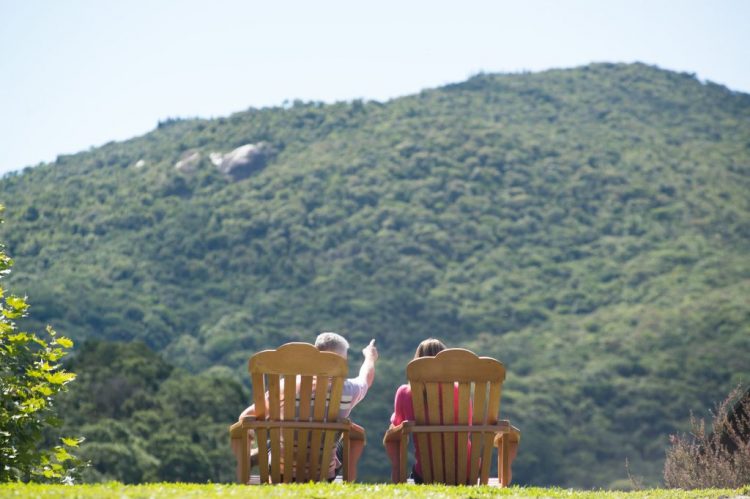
(367, 371)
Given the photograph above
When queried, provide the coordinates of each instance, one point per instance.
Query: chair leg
(347, 470)
(503, 462)
(402, 458)
(240, 448)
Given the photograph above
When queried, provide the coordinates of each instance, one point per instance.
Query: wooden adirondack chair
(443, 449)
(309, 426)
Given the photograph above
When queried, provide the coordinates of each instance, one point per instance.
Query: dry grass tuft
(719, 458)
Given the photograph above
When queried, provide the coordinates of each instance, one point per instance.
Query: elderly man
(354, 391)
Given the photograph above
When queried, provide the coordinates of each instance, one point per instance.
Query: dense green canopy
(588, 227)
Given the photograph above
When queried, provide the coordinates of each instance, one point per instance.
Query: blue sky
(76, 74)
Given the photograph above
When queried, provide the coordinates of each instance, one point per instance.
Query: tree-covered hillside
(588, 227)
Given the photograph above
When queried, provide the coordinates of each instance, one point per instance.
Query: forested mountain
(589, 227)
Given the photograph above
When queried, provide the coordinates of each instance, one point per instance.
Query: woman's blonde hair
(429, 348)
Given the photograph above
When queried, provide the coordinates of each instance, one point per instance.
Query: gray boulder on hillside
(216, 158)
(244, 161)
(188, 163)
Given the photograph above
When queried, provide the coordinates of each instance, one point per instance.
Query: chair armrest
(395, 442)
(237, 430)
(356, 432)
(514, 434)
(241, 440)
(395, 433)
(298, 425)
(506, 442)
(248, 419)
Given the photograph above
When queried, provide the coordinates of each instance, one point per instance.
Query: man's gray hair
(331, 342)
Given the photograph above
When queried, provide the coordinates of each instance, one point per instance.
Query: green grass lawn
(175, 490)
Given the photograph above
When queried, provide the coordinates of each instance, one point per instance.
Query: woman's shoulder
(403, 390)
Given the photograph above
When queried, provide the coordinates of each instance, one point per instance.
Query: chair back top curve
(298, 358)
(293, 372)
(478, 381)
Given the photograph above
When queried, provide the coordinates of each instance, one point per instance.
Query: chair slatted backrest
(313, 381)
(456, 395)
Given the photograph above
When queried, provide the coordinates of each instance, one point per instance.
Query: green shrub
(30, 378)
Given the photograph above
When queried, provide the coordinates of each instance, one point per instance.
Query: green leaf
(18, 338)
(33, 405)
(44, 390)
(62, 454)
(11, 314)
(17, 303)
(60, 377)
(64, 342)
(71, 442)
(55, 354)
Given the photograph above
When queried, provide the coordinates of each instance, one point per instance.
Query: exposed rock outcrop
(243, 161)
(189, 162)
(216, 158)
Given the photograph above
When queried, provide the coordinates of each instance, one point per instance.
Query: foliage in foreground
(31, 376)
(172, 490)
(716, 458)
